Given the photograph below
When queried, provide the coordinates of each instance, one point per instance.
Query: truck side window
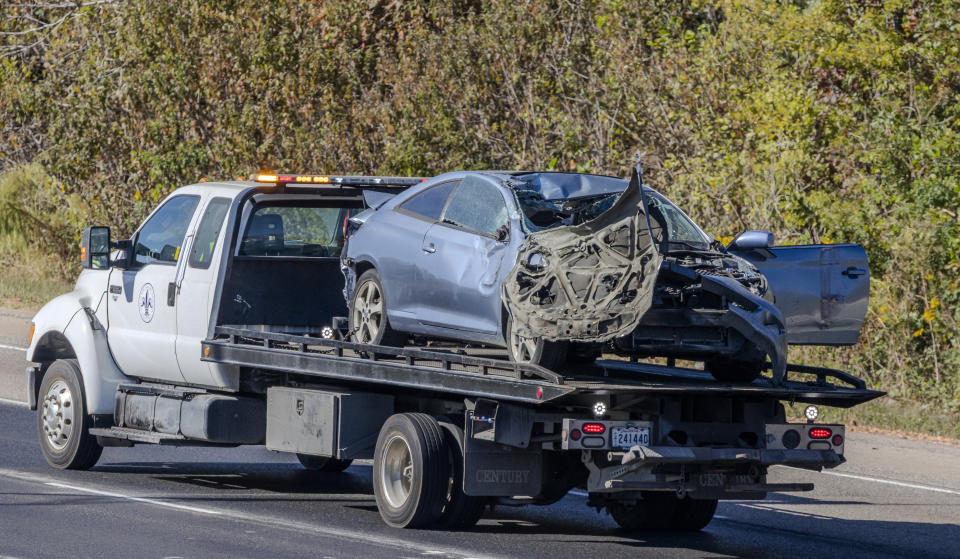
(430, 202)
(478, 206)
(161, 237)
(207, 233)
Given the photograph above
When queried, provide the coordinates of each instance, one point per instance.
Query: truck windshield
(295, 231)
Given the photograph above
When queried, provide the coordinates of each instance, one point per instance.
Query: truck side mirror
(749, 240)
(95, 248)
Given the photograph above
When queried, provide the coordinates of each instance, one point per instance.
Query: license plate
(626, 437)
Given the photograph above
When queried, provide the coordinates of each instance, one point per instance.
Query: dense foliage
(824, 121)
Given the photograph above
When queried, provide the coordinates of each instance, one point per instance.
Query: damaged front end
(626, 277)
(590, 282)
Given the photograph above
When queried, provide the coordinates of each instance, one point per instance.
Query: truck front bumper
(33, 376)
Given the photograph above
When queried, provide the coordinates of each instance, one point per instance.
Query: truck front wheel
(62, 419)
(411, 471)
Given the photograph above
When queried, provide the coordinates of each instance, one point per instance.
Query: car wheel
(323, 463)
(368, 313)
(62, 419)
(411, 471)
(732, 370)
(537, 351)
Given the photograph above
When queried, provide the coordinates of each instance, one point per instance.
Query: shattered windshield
(671, 227)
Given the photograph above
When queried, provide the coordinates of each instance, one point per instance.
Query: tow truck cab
(215, 324)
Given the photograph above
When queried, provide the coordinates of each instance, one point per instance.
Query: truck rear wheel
(411, 471)
(652, 513)
(460, 510)
(693, 515)
(323, 463)
(62, 419)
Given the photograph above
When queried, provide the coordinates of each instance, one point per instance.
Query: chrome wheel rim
(58, 417)
(367, 312)
(396, 471)
(523, 349)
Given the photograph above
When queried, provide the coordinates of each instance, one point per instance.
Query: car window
(430, 202)
(207, 233)
(294, 231)
(161, 237)
(477, 205)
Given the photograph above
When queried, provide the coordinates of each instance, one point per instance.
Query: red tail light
(837, 440)
(575, 434)
(820, 433)
(593, 428)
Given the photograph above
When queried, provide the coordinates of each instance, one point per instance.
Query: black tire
(411, 471)
(537, 351)
(461, 511)
(375, 310)
(323, 463)
(732, 370)
(62, 417)
(654, 512)
(693, 515)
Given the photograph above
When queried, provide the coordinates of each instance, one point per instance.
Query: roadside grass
(28, 283)
(888, 414)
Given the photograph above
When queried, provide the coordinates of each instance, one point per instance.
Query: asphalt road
(894, 497)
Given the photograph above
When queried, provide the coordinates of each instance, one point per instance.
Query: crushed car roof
(560, 186)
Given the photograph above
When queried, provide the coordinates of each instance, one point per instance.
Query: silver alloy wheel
(523, 349)
(58, 417)
(396, 471)
(367, 312)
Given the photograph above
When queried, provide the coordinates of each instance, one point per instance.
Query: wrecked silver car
(561, 267)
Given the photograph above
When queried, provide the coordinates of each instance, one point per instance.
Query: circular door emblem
(147, 302)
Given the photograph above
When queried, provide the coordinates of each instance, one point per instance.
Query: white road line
(13, 402)
(897, 483)
(579, 493)
(131, 498)
(358, 536)
(13, 347)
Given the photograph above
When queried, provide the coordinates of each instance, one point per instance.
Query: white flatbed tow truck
(216, 326)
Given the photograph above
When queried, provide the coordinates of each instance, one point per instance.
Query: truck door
(461, 264)
(142, 325)
(195, 291)
(822, 290)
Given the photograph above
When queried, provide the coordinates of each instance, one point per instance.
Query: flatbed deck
(448, 372)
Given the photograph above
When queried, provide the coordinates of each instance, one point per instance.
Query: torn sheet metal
(590, 282)
(757, 319)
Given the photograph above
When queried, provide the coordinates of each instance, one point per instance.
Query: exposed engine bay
(598, 270)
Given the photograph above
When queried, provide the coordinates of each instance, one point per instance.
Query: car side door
(396, 242)
(142, 319)
(822, 290)
(461, 266)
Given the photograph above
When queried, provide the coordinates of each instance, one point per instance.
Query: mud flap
(590, 282)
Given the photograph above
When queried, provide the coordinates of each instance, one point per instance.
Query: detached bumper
(33, 377)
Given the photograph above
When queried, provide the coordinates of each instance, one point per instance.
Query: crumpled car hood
(590, 282)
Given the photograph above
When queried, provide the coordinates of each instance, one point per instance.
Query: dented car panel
(590, 282)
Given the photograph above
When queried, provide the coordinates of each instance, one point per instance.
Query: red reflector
(820, 433)
(593, 428)
(575, 434)
(837, 440)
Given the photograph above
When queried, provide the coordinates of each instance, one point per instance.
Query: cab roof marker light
(341, 180)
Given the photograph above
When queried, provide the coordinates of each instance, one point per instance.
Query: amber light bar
(341, 180)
